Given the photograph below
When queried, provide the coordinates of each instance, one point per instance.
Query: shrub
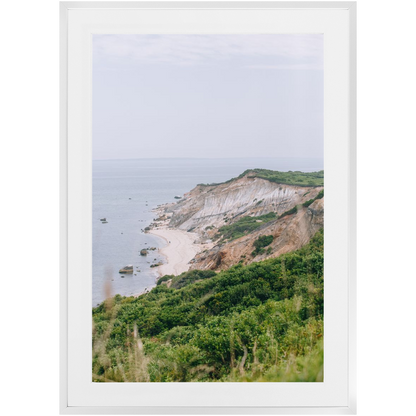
(310, 201)
(288, 178)
(260, 243)
(243, 226)
(291, 211)
(261, 322)
(164, 278)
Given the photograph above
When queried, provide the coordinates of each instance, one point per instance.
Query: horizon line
(208, 158)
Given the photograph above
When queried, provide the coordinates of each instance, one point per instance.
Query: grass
(289, 178)
(261, 322)
(186, 278)
(260, 243)
(295, 178)
(244, 226)
(291, 211)
(310, 201)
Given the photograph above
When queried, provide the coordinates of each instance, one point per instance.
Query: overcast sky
(207, 96)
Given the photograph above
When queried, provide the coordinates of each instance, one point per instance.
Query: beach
(180, 249)
(131, 194)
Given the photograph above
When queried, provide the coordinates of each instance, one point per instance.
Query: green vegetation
(192, 276)
(186, 278)
(310, 201)
(260, 243)
(288, 178)
(243, 226)
(164, 278)
(291, 211)
(261, 322)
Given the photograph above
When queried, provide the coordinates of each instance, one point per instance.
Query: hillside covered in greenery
(261, 322)
(296, 178)
(243, 226)
(290, 178)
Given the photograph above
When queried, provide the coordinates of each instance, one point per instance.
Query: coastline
(180, 249)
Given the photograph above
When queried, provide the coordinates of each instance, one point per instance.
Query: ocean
(126, 191)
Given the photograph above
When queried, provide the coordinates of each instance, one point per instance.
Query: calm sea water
(125, 192)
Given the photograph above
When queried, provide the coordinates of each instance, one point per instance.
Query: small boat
(103, 219)
(177, 197)
(104, 222)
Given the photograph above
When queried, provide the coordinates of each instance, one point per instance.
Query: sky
(207, 96)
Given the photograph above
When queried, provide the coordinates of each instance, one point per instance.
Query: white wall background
(29, 135)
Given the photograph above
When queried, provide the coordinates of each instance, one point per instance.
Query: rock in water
(126, 269)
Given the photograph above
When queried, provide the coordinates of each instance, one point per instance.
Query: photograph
(208, 208)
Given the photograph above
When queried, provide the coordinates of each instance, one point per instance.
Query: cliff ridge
(235, 214)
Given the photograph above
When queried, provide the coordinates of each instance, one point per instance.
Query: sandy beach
(179, 250)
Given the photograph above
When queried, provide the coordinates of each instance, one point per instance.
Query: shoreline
(179, 250)
(180, 247)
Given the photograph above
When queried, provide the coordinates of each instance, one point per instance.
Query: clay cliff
(295, 213)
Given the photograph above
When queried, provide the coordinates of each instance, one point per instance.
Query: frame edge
(63, 208)
(64, 6)
(352, 295)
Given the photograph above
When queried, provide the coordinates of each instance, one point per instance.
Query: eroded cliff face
(208, 207)
(289, 233)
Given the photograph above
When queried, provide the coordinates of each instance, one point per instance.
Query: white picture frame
(336, 395)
